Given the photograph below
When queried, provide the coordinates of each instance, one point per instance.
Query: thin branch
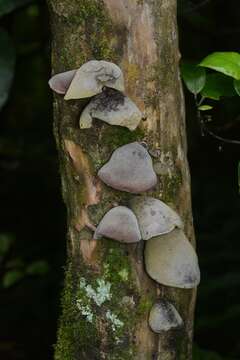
(205, 129)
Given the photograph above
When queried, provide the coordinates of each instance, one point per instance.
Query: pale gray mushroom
(119, 224)
(60, 82)
(112, 107)
(164, 317)
(129, 169)
(92, 76)
(171, 260)
(154, 217)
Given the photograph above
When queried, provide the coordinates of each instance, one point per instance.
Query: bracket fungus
(92, 76)
(129, 169)
(171, 260)
(164, 317)
(112, 107)
(119, 224)
(154, 217)
(61, 82)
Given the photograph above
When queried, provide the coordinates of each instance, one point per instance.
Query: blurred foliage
(32, 222)
(7, 6)
(214, 85)
(7, 63)
(15, 269)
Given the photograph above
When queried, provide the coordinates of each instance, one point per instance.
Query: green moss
(144, 306)
(116, 136)
(171, 186)
(75, 335)
(89, 22)
(99, 28)
(118, 271)
(65, 347)
(80, 337)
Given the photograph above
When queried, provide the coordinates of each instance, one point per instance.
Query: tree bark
(141, 37)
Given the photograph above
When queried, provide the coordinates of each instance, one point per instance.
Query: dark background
(32, 221)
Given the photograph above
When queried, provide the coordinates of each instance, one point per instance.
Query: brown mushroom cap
(119, 224)
(129, 169)
(171, 260)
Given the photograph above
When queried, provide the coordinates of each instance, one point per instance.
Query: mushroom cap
(92, 76)
(129, 169)
(154, 217)
(112, 107)
(171, 260)
(163, 317)
(119, 224)
(60, 82)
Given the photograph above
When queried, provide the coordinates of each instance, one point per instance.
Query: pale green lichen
(101, 294)
(98, 296)
(115, 322)
(85, 310)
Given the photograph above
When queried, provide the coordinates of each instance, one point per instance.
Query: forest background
(32, 221)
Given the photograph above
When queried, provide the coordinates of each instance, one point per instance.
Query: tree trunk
(141, 37)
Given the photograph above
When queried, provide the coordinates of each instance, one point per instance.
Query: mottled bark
(141, 37)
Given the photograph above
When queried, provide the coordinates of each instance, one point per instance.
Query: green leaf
(205, 107)
(40, 267)
(227, 63)
(236, 84)
(12, 277)
(7, 6)
(5, 243)
(218, 85)
(193, 76)
(7, 63)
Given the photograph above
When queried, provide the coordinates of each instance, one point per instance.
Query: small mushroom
(112, 107)
(60, 82)
(92, 76)
(171, 260)
(154, 217)
(129, 169)
(164, 317)
(119, 224)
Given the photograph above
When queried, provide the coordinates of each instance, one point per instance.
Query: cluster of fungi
(170, 259)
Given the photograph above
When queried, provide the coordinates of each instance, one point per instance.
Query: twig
(205, 129)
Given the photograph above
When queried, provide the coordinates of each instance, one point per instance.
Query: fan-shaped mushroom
(92, 76)
(120, 224)
(163, 317)
(112, 107)
(154, 217)
(171, 260)
(129, 169)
